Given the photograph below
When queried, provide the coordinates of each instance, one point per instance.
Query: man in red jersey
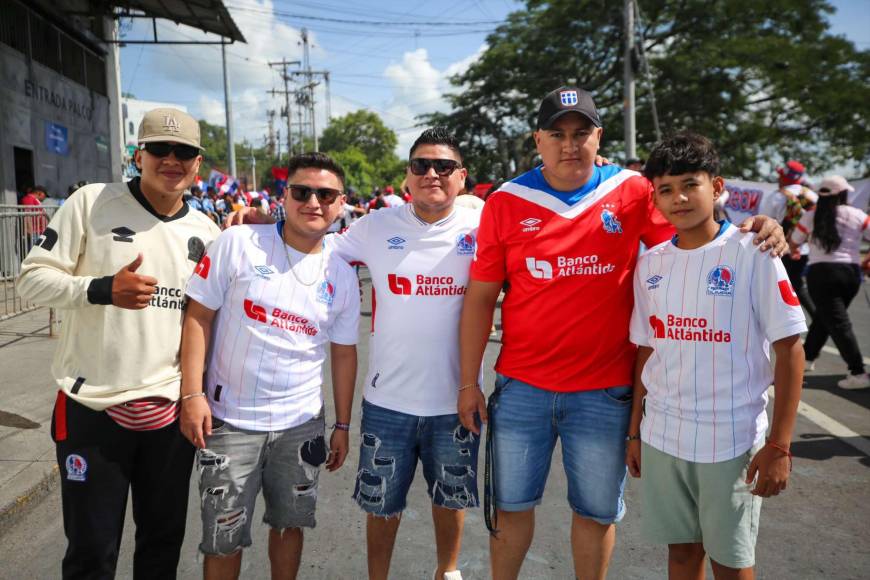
(565, 238)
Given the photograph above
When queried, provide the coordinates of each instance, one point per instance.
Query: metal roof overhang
(206, 15)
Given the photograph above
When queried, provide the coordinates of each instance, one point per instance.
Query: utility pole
(628, 88)
(309, 74)
(299, 114)
(328, 98)
(306, 58)
(253, 169)
(284, 63)
(270, 139)
(228, 106)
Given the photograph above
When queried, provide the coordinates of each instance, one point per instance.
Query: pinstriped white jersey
(419, 276)
(265, 367)
(710, 314)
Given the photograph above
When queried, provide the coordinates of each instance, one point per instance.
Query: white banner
(744, 197)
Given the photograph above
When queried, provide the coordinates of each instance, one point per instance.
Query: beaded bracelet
(341, 426)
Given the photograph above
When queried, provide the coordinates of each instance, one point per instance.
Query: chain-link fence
(20, 229)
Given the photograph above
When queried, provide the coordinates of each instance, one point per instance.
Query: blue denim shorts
(592, 425)
(391, 444)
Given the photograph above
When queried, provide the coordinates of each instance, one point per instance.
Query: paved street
(818, 529)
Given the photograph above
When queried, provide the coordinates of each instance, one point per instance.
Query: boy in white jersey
(116, 258)
(707, 305)
(275, 295)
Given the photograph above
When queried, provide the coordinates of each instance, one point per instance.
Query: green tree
(363, 130)
(765, 80)
(358, 171)
(364, 147)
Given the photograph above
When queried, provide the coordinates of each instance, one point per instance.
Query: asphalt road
(817, 529)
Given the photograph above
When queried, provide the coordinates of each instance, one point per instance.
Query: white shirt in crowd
(774, 204)
(345, 218)
(419, 274)
(265, 367)
(393, 200)
(710, 315)
(853, 225)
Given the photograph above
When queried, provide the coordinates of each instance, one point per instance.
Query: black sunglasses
(443, 167)
(303, 193)
(161, 149)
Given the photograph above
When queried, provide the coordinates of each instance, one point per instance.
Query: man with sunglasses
(281, 295)
(564, 238)
(117, 257)
(419, 257)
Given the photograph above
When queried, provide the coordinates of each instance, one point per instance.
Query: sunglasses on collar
(162, 149)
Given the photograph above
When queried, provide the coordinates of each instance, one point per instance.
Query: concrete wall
(34, 95)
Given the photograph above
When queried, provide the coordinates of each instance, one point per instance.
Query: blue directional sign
(56, 138)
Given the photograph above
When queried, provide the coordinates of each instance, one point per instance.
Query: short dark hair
(436, 136)
(315, 160)
(684, 152)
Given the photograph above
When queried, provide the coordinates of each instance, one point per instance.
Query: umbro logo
(653, 282)
(396, 243)
(530, 224)
(123, 234)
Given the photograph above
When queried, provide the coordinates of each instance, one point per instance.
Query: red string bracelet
(784, 450)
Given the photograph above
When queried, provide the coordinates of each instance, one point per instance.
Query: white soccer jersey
(710, 314)
(419, 274)
(264, 371)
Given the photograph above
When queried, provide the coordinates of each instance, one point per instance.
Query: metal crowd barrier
(20, 228)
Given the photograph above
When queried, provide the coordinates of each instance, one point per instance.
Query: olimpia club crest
(720, 281)
(465, 245)
(326, 293)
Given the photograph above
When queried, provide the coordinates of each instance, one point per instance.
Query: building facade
(60, 118)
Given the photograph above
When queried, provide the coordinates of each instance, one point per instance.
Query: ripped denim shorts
(391, 444)
(237, 463)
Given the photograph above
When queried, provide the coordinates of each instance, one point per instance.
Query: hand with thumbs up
(132, 290)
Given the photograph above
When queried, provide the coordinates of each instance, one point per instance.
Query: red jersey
(568, 260)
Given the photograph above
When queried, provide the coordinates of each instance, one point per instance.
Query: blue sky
(398, 70)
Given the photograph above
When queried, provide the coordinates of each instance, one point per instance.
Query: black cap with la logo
(566, 100)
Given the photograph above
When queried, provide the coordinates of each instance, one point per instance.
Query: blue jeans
(592, 427)
(391, 444)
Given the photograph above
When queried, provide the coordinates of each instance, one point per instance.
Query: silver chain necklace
(293, 270)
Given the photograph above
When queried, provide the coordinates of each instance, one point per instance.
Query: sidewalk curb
(17, 508)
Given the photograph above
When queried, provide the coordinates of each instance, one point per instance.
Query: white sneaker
(809, 366)
(453, 575)
(861, 381)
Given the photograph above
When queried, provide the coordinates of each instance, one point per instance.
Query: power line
(259, 10)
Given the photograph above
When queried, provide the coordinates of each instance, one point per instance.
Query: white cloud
(194, 73)
(418, 88)
(211, 110)
(198, 69)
